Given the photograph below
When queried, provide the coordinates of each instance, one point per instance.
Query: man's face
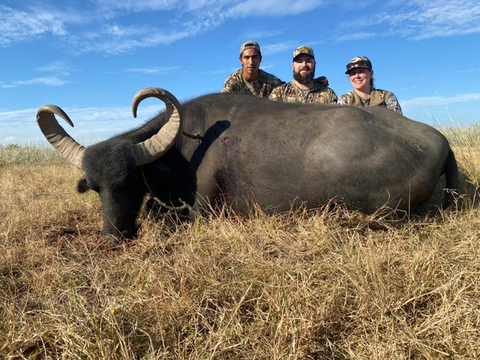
(250, 61)
(303, 69)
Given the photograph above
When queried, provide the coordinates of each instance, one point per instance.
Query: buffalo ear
(82, 185)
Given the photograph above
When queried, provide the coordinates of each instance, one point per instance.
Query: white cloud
(115, 39)
(17, 25)
(276, 48)
(116, 46)
(354, 4)
(194, 5)
(136, 5)
(222, 71)
(468, 71)
(288, 46)
(417, 19)
(421, 102)
(155, 70)
(48, 80)
(9, 140)
(423, 19)
(122, 31)
(112, 6)
(58, 67)
(267, 66)
(10, 116)
(261, 34)
(257, 8)
(361, 35)
(191, 17)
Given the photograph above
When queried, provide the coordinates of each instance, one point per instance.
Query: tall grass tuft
(28, 155)
(465, 142)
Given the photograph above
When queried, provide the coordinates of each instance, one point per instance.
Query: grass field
(303, 285)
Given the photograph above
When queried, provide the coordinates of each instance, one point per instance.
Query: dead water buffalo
(241, 149)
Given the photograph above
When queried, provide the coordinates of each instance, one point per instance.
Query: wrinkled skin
(278, 155)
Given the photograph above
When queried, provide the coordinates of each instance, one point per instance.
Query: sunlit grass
(322, 284)
(465, 142)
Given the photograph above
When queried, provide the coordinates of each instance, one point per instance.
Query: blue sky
(91, 56)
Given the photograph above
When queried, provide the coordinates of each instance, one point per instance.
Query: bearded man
(304, 88)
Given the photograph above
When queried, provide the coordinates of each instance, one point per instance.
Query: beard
(304, 79)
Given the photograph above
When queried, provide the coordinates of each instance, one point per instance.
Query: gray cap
(250, 45)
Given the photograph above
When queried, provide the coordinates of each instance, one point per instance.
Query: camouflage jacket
(262, 87)
(292, 93)
(377, 98)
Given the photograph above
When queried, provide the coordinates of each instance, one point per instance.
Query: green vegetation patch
(28, 155)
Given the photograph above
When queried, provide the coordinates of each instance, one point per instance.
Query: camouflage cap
(303, 50)
(359, 62)
(250, 45)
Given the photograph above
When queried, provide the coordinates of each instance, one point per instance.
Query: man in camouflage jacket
(250, 79)
(304, 88)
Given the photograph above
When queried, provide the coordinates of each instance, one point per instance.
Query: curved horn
(57, 136)
(151, 149)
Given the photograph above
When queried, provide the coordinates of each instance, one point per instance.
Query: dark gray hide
(275, 154)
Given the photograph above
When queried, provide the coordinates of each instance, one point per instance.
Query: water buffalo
(239, 149)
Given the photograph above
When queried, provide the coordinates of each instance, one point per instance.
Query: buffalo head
(113, 168)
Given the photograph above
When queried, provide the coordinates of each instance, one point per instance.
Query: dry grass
(305, 285)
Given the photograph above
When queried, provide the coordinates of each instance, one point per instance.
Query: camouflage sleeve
(270, 79)
(345, 99)
(392, 102)
(278, 82)
(276, 94)
(333, 97)
(228, 85)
